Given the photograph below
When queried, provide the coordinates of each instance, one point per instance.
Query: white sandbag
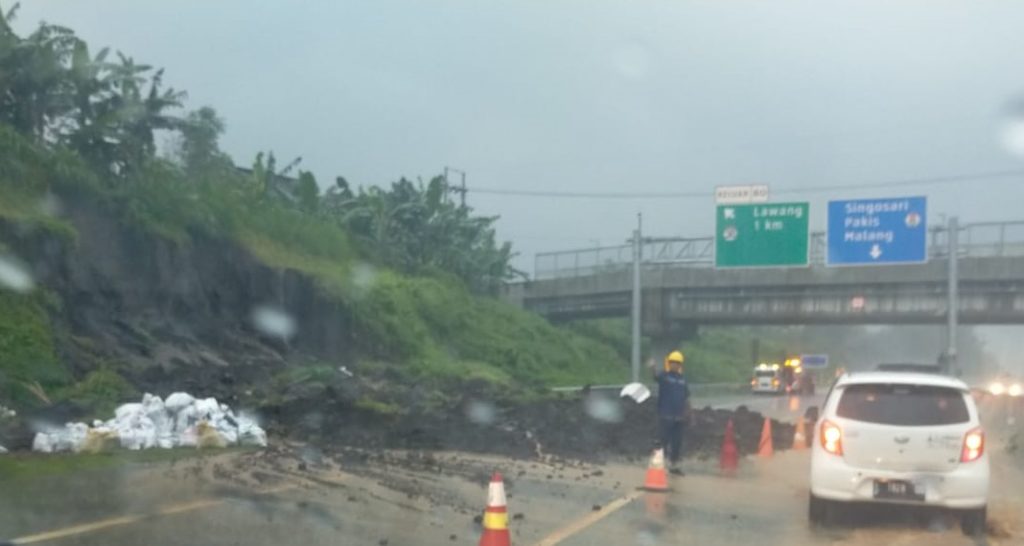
(249, 433)
(155, 409)
(42, 443)
(207, 408)
(228, 433)
(177, 401)
(76, 434)
(188, 437)
(181, 420)
(253, 437)
(137, 434)
(185, 419)
(126, 411)
(3, 450)
(61, 439)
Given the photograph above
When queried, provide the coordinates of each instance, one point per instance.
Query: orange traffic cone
(496, 515)
(800, 436)
(728, 462)
(764, 449)
(657, 477)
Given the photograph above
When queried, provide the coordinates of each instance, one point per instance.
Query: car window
(903, 405)
(764, 373)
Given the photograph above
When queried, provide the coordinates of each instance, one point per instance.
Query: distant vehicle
(913, 368)
(767, 379)
(900, 438)
(1005, 386)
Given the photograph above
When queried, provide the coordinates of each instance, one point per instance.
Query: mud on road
(592, 427)
(294, 494)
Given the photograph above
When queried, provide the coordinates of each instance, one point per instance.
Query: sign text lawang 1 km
(762, 235)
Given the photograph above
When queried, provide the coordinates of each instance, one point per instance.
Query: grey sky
(593, 95)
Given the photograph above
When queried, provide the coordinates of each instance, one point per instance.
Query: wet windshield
(436, 272)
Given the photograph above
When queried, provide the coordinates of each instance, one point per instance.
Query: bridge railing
(983, 239)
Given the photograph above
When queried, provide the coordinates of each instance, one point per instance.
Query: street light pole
(461, 190)
(637, 257)
(952, 292)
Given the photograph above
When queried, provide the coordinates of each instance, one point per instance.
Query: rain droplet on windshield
(363, 277)
(14, 275)
(274, 322)
(603, 408)
(50, 205)
(481, 413)
(1013, 130)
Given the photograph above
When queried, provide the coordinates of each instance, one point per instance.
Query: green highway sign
(762, 235)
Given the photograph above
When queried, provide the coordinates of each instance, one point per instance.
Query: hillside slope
(157, 288)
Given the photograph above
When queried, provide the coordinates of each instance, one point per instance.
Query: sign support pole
(637, 250)
(953, 303)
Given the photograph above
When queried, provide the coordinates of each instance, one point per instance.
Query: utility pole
(953, 303)
(461, 190)
(637, 257)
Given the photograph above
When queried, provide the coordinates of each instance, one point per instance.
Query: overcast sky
(595, 96)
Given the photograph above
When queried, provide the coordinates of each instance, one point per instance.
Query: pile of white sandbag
(179, 421)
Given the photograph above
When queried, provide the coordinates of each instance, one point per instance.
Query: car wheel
(973, 522)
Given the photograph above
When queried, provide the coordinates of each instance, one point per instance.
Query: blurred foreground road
(296, 495)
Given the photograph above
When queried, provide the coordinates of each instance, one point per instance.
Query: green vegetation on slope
(410, 264)
(447, 333)
(27, 355)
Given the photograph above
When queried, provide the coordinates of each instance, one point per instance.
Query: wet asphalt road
(255, 500)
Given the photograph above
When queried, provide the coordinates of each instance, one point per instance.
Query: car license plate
(896, 489)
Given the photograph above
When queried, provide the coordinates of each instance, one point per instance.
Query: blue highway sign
(878, 231)
(814, 362)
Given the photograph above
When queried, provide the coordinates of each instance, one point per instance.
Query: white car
(767, 379)
(900, 438)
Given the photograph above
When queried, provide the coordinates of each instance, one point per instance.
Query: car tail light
(775, 382)
(831, 438)
(974, 446)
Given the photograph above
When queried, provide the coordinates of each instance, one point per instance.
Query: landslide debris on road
(589, 427)
(130, 311)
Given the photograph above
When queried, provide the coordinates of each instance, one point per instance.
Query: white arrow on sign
(876, 252)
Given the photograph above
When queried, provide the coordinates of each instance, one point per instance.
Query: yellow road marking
(135, 518)
(588, 520)
(77, 530)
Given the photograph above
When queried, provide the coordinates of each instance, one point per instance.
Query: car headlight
(997, 388)
(1015, 390)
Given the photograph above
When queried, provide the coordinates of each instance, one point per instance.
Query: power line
(930, 181)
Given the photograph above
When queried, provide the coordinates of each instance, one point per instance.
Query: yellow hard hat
(676, 356)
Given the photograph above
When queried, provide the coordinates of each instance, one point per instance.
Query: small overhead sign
(878, 231)
(814, 362)
(738, 195)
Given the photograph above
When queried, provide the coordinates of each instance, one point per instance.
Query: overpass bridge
(682, 289)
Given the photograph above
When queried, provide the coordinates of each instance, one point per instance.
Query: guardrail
(696, 389)
(982, 239)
